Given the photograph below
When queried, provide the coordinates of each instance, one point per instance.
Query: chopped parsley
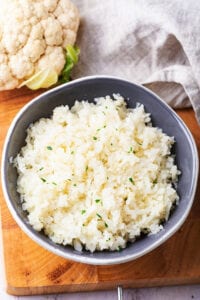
(97, 200)
(74, 184)
(72, 152)
(49, 148)
(131, 180)
(44, 180)
(54, 183)
(99, 216)
(98, 129)
(131, 150)
(155, 181)
(106, 225)
(94, 138)
(83, 211)
(108, 240)
(119, 248)
(41, 168)
(86, 168)
(111, 144)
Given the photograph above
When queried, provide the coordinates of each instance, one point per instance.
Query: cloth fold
(152, 42)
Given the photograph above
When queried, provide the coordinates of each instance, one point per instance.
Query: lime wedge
(42, 79)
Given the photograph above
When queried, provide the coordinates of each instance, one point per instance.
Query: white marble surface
(162, 293)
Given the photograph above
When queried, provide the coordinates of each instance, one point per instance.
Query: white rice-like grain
(97, 175)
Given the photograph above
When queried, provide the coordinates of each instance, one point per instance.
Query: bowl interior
(161, 115)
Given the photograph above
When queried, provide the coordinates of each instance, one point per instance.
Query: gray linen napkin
(153, 42)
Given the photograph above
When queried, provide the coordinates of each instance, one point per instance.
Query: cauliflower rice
(97, 175)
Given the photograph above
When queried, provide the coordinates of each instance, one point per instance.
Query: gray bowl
(87, 89)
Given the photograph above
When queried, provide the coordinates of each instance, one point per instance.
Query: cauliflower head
(33, 37)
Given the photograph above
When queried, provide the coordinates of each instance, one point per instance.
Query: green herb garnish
(44, 180)
(99, 216)
(41, 169)
(49, 148)
(130, 150)
(71, 59)
(131, 180)
(54, 183)
(155, 181)
(119, 248)
(97, 200)
(72, 152)
(86, 168)
(106, 225)
(108, 240)
(74, 184)
(83, 211)
(94, 138)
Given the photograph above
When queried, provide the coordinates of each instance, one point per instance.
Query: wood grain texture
(32, 270)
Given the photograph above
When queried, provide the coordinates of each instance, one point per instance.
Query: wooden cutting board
(32, 270)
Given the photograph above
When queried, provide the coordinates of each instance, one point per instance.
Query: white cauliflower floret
(51, 5)
(3, 58)
(53, 58)
(52, 32)
(33, 37)
(21, 65)
(34, 49)
(7, 80)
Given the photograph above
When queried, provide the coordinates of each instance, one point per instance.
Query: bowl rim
(74, 256)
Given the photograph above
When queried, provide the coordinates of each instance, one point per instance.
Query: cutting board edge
(54, 289)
